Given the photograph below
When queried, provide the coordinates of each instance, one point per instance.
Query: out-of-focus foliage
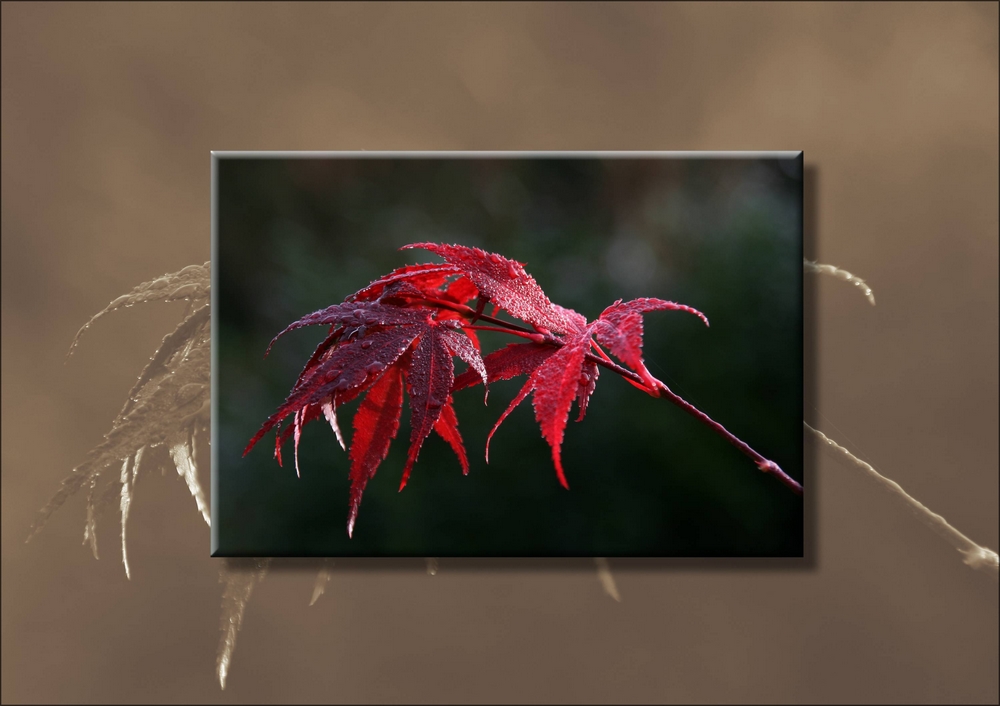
(721, 235)
(166, 409)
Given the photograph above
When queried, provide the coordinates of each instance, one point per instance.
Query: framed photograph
(577, 285)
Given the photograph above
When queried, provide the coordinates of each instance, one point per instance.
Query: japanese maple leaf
(505, 283)
(565, 370)
(378, 348)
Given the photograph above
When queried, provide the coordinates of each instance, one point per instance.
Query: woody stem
(532, 336)
(470, 312)
(763, 464)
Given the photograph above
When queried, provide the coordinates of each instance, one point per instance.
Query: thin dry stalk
(811, 266)
(974, 555)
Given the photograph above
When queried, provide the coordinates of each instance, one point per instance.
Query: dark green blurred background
(723, 235)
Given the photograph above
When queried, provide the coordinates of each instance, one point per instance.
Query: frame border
(216, 155)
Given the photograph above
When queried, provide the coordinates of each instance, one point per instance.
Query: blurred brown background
(108, 116)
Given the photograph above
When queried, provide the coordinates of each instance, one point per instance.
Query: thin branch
(536, 337)
(763, 464)
(974, 555)
(474, 315)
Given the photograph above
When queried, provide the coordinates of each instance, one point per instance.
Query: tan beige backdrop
(108, 116)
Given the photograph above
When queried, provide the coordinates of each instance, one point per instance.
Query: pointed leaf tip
(429, 383)
(447, 428)
(562, 476)
(375, 425)
(557, 383)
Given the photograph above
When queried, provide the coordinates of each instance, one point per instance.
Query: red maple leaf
(505, 283)
(373, 347)
(402, 331)
(565, 370)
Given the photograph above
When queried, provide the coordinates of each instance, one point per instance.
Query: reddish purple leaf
(576, 322)
(510, 361)
(356, 315)
(507, 285)
(375, 425)
(588, 381)
(619, 327)
(461, 346)
(449, 315)
(428, 276)
(644, 304)
(557, 382)
(347, 368)
(429, 381)
(462, 290)
(525, 391)
(447, 428)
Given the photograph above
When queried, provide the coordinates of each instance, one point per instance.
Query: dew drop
(496, 258)
(359, 314)
(366, 344)
(512, 270)
(375, 367)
